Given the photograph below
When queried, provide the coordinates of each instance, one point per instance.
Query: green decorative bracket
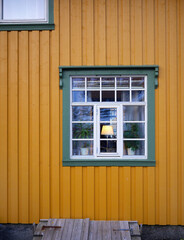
(156, 77)
(60, 78)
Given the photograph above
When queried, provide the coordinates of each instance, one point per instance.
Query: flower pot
(84, 151)
(130, 151)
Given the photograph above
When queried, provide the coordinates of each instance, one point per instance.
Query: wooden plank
(93, 228)
(87, 32)
(124, 32)
(23, 128)
(125, 235)
(38, 230)
(112, 32)
(3, 128)
(77, 229)
(13, 127)
(114, 230)
(100, 33)
(85, 229)
(106, 226)
(34, 85)
(76, 43)
(44, 126)
(48, 232)
(161, 170)
(172, 113)
(58, 232)
(54, 115)
(67, 231)
(134, 227)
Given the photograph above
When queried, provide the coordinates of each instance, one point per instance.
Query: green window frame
(30, 25)
(151, 73)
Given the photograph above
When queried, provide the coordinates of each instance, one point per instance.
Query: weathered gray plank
(106, 226)
(125, 235)
(85, 229)
(38, 230)
(77, 229)
(93, 227)
(48, 232)
(135, 230)
(67, 231)
(58, 232)
(115, 228)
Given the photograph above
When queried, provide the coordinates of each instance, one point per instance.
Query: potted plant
(83, 131)
(132, 146)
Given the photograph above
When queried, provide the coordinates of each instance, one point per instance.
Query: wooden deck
(84, 229)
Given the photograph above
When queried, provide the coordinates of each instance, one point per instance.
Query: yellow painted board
(100, 32)
(161, 181)
(13, 127)
(114, 197)
(136, 32)
(64, 30)
(90, 204)
(124, 32)
(54, 116)
(112, 32)
(87, 32)
(66, 193)
(34, 126)
(44, 126)
(3, 129)
(23, 127)
(180, 9)
(76, 32)
(172, 112)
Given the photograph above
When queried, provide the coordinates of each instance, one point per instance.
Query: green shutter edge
(32, 26)
(64, 81)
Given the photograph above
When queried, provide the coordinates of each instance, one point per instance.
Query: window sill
(110, 162)
(27, 27)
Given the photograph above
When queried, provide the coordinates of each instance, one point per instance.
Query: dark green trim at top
(130, 67)
(151, 72)
(34, 25)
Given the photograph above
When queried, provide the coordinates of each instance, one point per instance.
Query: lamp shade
(107, 130)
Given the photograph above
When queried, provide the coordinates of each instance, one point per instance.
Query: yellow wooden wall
(33, 183)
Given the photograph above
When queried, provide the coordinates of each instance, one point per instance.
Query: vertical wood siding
(33, 183)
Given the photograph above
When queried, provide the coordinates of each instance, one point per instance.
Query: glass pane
(138, 96)
(108, 130)
(82, 130)
(23, 9)
(123, 96)
(108, 96)
(93, 83)
(137, 82)
(108, 114)
(133, 113)
(123, 82)
(82, 148)
(93, 96)
(108, 146)
(78, 96)
(133, 130)
(78, 83)
(82, 113)
(134, 148)
(108, 82)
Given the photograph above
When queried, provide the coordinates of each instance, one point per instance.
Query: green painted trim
(135, 67)
(150, 71)
(32, 26)
(107, 162)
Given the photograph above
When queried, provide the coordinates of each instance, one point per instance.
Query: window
(108, 115)
(26, 15)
